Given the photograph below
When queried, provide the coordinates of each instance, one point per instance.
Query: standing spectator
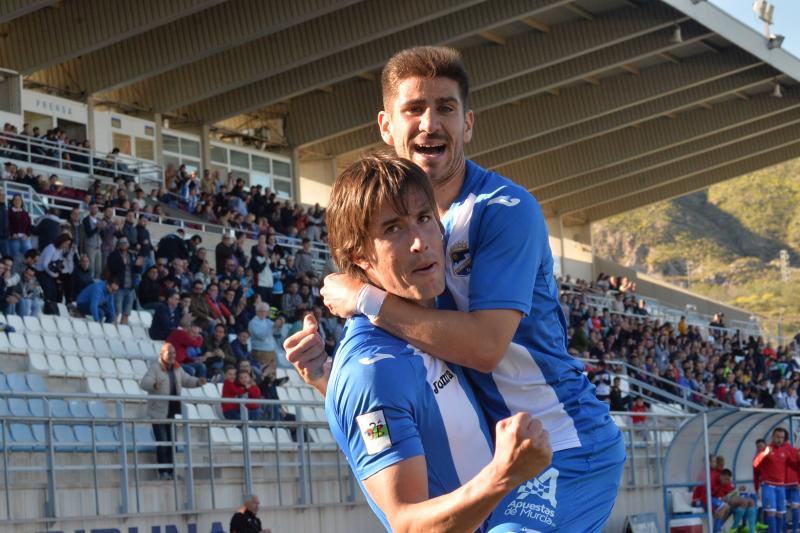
(48, 228)
(81, 277)
(639, 420)
(218, 311)
(143, 238)
(55, 259)
(74, 227)
(292, 301)
(165, 377)
(262, 273)
(245, 520)
(19, 227)
(97, 301)
(124, 266)
(92, 241)
(262, 341)
(129, 230)
(304, 261)
(167, 317)
(108, 234)
(4, 227)
(224, 249)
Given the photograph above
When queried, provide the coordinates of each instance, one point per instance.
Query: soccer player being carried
(408, 423)
(500, 317)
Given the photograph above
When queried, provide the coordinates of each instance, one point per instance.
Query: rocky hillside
(725, 241)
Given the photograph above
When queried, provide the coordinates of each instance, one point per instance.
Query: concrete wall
(572, 249)
(316, 178)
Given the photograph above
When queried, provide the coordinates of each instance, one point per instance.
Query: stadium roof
(596, 106)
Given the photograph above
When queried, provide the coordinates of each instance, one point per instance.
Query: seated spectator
(242, 387)
(199, 307)
(304, 260)
(167, 317)
(218, 312)
(242, 353)
(187, 341)
(8, 296)
(97, 301)
(31, 294)
(150, 290)
(292, 302)
(217, 350)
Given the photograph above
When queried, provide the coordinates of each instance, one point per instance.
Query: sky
(786, 19)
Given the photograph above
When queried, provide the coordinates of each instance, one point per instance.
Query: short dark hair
(425, 62)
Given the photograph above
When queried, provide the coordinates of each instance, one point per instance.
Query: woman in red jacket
(19, 228)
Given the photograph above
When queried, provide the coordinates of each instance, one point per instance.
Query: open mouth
(431, 148)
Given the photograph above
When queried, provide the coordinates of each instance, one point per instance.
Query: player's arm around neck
(401, 490)
(477, 340)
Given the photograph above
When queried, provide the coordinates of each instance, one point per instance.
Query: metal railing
(63, 156)
(289, 462)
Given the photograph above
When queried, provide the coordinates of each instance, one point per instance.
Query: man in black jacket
(167, 317)
(124, 265)
(245, 520)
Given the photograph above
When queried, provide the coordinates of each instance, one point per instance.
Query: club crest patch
(460, 258)
(374, 431)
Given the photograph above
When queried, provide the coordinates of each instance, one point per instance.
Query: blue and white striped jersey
(387, 402)
(498, 257)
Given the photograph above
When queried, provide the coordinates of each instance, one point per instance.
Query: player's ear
(469, 123)
(384, 123)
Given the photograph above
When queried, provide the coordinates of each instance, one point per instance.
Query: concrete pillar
(205, 148)
(296, 192)
(90, 122)
(578, 256)
(158, 119)
(316, 179)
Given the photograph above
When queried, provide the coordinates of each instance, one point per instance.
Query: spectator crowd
(701, 364)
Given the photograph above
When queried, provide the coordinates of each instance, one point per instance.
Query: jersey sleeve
(508, 251)
(376, 405)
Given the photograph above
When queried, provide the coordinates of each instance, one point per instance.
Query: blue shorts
(792, 495)
(589, 475)
(773, 498)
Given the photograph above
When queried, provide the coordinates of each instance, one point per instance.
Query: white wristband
(369, 301)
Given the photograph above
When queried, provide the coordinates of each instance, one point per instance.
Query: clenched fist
(522, 449)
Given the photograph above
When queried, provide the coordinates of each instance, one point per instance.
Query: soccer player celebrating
(500, 317)
(407, 422)
(771, 464)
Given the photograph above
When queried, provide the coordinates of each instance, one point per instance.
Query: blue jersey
(498, 257)
(388, 402)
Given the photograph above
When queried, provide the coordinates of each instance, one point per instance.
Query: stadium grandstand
(187, 148)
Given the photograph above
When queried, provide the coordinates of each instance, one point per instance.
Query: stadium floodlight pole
(707, 463)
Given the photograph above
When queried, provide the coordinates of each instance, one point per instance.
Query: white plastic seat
(62, 310)
(91, 365)
(253, 439)
(114, 386)
(146, 350)
(96, 385)
(16, 322)
(219, 436)
(125, 332)
(325, 436)
(193, 392)
(101, 348)
(110, 330)
(234, 435)
(307, 393)
(56, 365)
(17, 343)
(48, 323)
(131, 387)
(211, 390)
(68, 345)
(32, 324)
(266, 436)
(146, 319)
(85, 346)
(107, 367)
(116, 349)
(64, 325)
(51, 344)
(95, 329)
(4, 346)
(134, 319)
(191, 411)
(124, 368)
(38, 363)
(139, 332)
(139, 368)
(35, 343)
(206, 412)
(283, 438)
(80, 327)
(75, 366)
